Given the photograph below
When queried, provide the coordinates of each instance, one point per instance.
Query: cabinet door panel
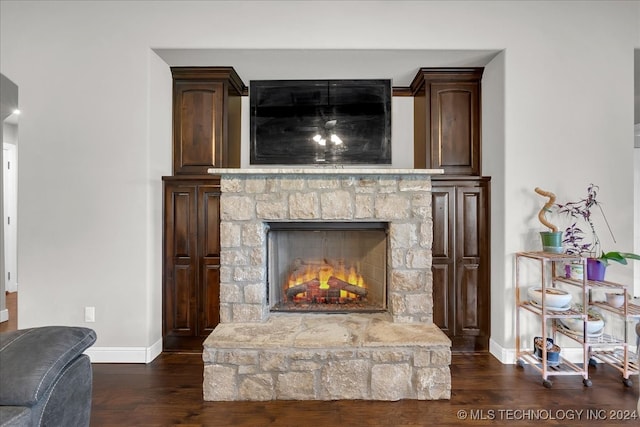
(472, 311)
(182, 301)
(455, 135)
(454, 120)
(469, 309)
(209, 296)
(209, 234)
(442, 213)
(182, 226)
(180, 260)
(442, 291)
(197, 126)
(209, 220)
(469, 205)
(443, 256)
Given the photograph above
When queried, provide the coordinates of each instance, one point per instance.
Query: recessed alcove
(403, 104)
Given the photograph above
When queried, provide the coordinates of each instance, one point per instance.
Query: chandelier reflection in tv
(320, 122)
(328, 135)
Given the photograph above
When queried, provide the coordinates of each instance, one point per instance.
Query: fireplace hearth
(326, 288)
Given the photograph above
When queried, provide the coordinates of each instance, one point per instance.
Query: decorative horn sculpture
(546, 208)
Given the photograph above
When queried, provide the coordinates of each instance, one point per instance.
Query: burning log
(334, 282)
(302, 287)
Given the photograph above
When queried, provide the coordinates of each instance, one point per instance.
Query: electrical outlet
(89, 314)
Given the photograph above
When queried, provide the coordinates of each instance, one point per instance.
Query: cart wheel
(587, 382)
(592, 362)
(627, 382)
(547, 383)
(520, 363)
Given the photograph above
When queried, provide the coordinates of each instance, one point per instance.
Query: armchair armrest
(32, 359)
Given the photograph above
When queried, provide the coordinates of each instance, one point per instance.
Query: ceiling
(400, 65)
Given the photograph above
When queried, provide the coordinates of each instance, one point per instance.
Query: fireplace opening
(335, 267)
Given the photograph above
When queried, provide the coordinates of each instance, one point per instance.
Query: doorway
(8, 186)
(10, 192)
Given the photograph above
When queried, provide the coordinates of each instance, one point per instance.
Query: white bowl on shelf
(594, 326)
(615, 300)
(554, 297)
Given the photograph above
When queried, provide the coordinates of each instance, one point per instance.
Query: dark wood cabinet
(191, 276)
(460, 250)
(447, 129)
(206, 134)
(447, 119)
(206, 118)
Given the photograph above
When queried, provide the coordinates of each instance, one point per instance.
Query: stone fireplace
(279, 224)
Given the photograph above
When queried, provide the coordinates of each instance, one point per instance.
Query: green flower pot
(551, 241)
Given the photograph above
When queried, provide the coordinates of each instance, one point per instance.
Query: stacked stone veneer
(327, 357)
(257, 355)
(247, 202)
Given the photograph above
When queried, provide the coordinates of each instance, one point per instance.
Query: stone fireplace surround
(257, 355)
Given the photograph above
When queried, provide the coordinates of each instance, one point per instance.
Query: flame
(323, 273)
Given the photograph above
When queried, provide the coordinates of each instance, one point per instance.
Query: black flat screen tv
(315, 122)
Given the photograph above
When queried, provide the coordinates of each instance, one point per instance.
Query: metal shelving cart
(549, 263)
(614, 348)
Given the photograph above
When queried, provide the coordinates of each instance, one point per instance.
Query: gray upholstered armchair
(45, 379)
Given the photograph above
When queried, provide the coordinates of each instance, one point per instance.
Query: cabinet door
(198, 126)
(472, 257)
(209, 277)
(180, 262)
(443, 256)
(460, 263)
(455, 127)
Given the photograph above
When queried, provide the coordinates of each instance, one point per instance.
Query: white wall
(95, 134)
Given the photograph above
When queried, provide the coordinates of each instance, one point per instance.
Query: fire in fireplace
(324, 282)
(329, 266)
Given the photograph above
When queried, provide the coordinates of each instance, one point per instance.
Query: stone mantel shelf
(323, 171)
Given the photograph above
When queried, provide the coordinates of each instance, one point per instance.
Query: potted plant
(576, 241)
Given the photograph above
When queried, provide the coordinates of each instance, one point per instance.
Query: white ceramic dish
(554, 297)
(615, 300)
(577, 334)
(536, 305)
(593, 326)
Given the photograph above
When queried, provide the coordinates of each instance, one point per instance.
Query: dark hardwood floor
(168, 392)
(12, 307)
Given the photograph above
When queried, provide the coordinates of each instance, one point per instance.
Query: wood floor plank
(12, 308)
(168, 392)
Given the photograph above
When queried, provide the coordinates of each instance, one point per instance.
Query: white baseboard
(507, 356)
(4, 315)
(504, 355)
(125, 354)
